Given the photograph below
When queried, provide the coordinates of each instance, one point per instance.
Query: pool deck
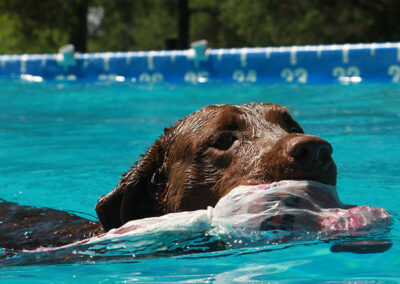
(345, 63)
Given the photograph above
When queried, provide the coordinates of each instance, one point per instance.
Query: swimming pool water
(62, 145)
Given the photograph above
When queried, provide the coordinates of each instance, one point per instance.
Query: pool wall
(347, 63)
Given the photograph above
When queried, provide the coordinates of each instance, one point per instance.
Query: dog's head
(207, 154)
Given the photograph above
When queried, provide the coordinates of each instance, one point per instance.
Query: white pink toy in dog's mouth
(289, 205)
(292, 205)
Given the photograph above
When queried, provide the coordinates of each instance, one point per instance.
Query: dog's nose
(310, 151)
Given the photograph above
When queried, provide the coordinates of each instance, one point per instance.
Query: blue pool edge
(344, 63)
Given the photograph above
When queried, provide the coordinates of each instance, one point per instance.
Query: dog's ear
(135, 195)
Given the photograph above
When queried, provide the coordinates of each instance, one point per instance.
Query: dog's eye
(291, 125)
(295, 129)
(224, 141)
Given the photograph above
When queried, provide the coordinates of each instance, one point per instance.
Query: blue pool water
(62, 145)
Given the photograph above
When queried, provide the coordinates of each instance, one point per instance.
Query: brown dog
(210, 152)
(195, 163)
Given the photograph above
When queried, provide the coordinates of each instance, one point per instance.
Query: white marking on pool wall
(345, 54)
(293, 55)
(31, 78)
(372, 49)
(173, 55)
(220, 52)
(207, 53)
(44, 61)
(394, 71)
(24, 58)
(268, 53)
(119, 78)
(243, 57)
(398, 52)
(150, 61)
(319, 51)
(71, 77)
(292, 75)
(106, 61)
(86, 60)
(128, 58)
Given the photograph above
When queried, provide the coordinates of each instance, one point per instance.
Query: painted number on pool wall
(151, 78)
(340, 72)
(245, 76)
(394, 71)
(194, 77)
(295, 75)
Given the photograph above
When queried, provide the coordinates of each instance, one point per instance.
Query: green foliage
(9, 40)
(28, 26)
(35, 26)
(134, 25)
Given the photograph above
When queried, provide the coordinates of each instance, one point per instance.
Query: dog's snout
(310, 151)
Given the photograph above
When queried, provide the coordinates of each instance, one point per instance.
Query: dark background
(41, 26)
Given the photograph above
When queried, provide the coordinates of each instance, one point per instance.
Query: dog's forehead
(227, 114)
(256, 117)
